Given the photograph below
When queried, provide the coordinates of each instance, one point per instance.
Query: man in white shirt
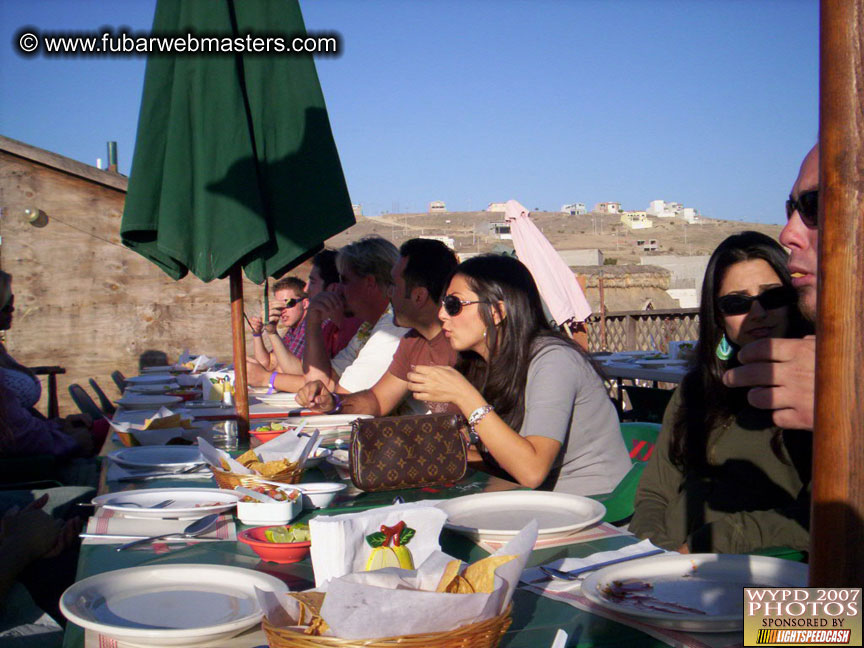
(364, 283)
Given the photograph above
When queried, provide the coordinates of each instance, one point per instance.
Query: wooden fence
(635, 330)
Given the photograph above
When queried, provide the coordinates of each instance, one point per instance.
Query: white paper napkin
(566, 564)
(213, 456)
(288, 445)
(339, 544)
(109, 524)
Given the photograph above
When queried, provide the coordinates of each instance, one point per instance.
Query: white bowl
(267, 513)
(319, 494)
(320, 455)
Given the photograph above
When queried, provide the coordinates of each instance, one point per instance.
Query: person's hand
(79, 421)
(782, 376)
(273, 319)
(437, 384)
(257, 375)
(67, 537)
(683, 549)
(316, 396)
(256, 324)
(326, 305)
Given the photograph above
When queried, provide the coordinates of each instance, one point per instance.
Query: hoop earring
(724, 349)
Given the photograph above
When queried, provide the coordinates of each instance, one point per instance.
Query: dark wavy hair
(705, 400)
(513, 342)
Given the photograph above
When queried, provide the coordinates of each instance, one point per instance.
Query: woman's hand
(438, 384)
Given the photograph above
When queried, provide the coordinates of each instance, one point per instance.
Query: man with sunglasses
(419, 279)
(781, 373)
(288, 308)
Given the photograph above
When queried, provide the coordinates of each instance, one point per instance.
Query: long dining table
(535, 618)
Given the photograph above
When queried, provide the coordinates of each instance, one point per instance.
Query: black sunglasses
(769, 300)
(807, 206)
(291, 303)
(453, 305)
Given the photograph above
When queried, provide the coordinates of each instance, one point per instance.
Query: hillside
(470, 232)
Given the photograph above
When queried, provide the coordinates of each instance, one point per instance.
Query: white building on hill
(496, 207)
(574, 209)
(608, 208)
(636, 220)
(437, 207)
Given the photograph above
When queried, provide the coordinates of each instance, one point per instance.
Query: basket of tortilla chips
(281, 470)
(308, 632)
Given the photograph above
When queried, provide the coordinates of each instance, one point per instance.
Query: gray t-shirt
(566, 400)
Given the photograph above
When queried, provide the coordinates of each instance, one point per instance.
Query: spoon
(196, 528)
(261, 497)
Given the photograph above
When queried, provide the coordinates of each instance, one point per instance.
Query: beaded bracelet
(337, 407)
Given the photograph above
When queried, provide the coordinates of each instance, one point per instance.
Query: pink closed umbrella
(557, 283)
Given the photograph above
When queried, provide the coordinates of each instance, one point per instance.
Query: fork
(162, 504)
(574, 574)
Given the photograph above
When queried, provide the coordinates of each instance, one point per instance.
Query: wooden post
(238, 331)
(838, 440)
(631, 331)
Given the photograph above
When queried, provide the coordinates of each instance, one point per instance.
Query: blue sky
(711, 103)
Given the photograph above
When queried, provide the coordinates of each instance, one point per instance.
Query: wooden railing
(635, 330)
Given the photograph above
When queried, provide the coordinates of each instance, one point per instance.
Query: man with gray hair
(365, 268)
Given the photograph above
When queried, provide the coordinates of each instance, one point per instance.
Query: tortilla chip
(481, 575)
(450, 572)
(310, 605)
(247, 457)
(459, 586)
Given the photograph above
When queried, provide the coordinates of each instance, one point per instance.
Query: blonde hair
(371, 255)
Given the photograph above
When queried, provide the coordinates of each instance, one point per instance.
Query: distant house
(587, 257)
(663, 209)
(689, 215)
(636, 220)
(608, 208)
(500, 231)
(496, 207)
(574, 209)
(437, 207)
(358, 210)
(647, 245)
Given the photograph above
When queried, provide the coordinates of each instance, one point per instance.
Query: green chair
(619, 503)
(105, 404)
(119, 380)
(640, 439)
(82, 399)
(648, 403)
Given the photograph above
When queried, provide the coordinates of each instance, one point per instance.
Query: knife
(108, 536)
(573, 574)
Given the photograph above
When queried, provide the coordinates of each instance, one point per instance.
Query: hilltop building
(636, 220)
(496, 207)
(437, 207)
(608, 208)
(446, 240)
(574, 209)
(583, 257)
(500, 230)
(358, 210)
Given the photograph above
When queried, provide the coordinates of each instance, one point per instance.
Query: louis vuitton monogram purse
(395, 452)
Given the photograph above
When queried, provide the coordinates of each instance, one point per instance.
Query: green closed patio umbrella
(235, 168)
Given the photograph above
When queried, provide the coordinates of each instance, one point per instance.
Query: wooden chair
(82, 399)
(119, 380)
(105, 404)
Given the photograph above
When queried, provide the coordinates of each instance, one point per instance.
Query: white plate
(339, 458)
(171, 457)
(165, 369)
(150, 379)
(169, 605)
(712, 583)
(147, 401)
(320, 455)
(278, 397)
(187, 503)
(159, 388)
(500, 516)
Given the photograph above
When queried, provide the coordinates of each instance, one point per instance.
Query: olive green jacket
(747, 499)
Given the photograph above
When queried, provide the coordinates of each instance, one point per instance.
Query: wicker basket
(484, 634)
(230, 480)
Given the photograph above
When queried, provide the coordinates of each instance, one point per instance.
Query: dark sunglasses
(769, 300)
(807, 206)
(453, 305)
(291, 303)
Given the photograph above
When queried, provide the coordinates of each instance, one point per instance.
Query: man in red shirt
(419, 280)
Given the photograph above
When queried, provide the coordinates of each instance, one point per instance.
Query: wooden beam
(838, 441)
(238, 335)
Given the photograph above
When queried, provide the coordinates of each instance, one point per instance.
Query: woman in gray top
(538, 408)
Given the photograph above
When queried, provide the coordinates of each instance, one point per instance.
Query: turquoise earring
(724, 349)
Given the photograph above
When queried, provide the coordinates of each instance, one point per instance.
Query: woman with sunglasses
(722, 478)
(536, 407)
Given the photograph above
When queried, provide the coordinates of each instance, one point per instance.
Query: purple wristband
(272, 382)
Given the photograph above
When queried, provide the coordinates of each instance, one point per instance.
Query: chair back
(119, 380)
(82, 399)
(647, 403)
(620, 502)
(640, 438)
(105, 405)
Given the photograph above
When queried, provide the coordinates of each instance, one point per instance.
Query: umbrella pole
(836, 558)
(241, 390)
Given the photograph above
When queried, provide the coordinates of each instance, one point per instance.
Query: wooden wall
(82, 300)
